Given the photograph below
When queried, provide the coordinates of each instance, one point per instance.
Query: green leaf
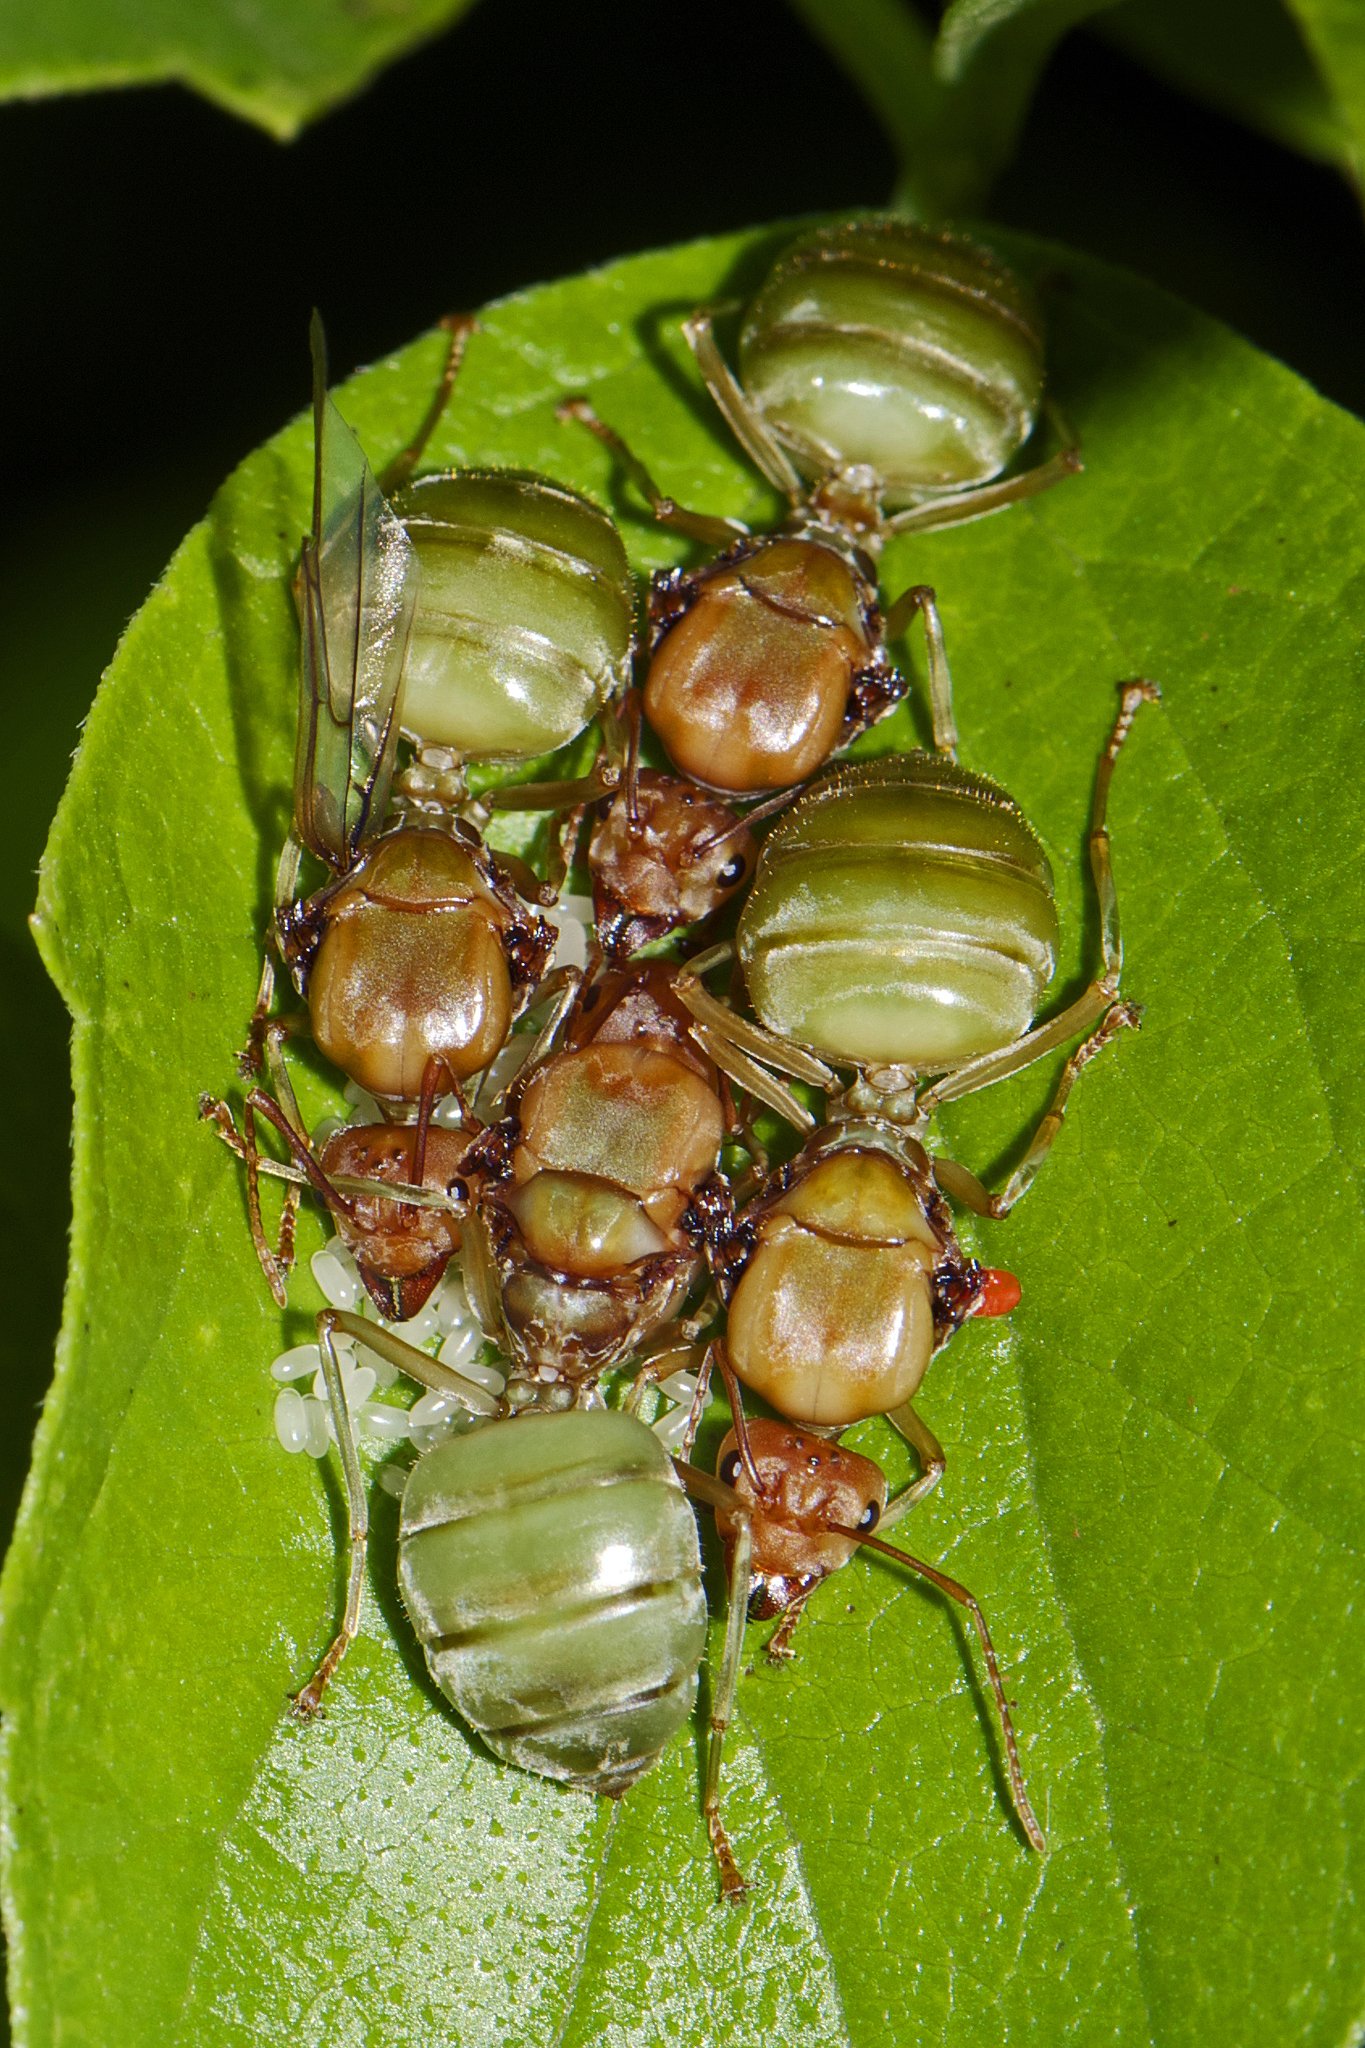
(280, 65)
(969, 26)
(1154, 1483)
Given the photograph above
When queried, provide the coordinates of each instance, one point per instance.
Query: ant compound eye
(732, 871)
(870, 1517)
(728, 1470)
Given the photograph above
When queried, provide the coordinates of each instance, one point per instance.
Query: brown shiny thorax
(843, 1277)
(422, 952)
(765, 662)
(610, 1144)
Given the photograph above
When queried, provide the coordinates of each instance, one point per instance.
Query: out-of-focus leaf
(952, 109)
(1246, 57)
(968, 27)
(280, 65)
(1294, 70)
(1154, 1480)
(1334, 31)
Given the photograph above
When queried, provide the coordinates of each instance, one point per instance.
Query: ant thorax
(843, 1277)
(594, 1228)
(766, 662)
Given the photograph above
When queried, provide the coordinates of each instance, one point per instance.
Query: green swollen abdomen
(902, 914)
(551, 1568)
(523, 621)
(883, 343)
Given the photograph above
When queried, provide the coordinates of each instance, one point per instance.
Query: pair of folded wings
(356, 595)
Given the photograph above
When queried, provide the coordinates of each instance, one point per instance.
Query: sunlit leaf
(1154, 1485)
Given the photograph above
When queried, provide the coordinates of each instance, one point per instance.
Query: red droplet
(1000, 1292)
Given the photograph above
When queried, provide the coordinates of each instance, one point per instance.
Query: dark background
(160, 260)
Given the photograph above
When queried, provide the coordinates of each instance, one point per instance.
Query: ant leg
(742, 417)
(736, 1046)
(521, 875)
(723, 1705)
(963, 1598)
(277, 1030)
(565, 837)
(630, 776)
(426, 1103)
(701, 1393)
(1099, 1000)
(215, 1112)
(459, 326)
(735, 1396)
(723, 1053)
(715, 1494)
(308, 1698)
(740, 1127)
(428, 1372)
(283, 1256)
(574, 795)
(975, 503)
(720, 533)
(478, 1269)
(570, 801)
(765, 1045)
(964, 1186)
(289, 1217)
(779, 1649)
(1135, 695)
(565, 985)
(929, 1451)
(417, 1365)
(249, 1060)
(274, 1264)
(660, 1357)
(920, 598)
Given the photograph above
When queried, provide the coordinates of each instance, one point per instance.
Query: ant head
(811, 1494)
(666, 854)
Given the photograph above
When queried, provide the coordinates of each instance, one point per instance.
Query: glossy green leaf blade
(280, 66)
(1153, 1470)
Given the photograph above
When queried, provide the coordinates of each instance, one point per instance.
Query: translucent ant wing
(356, 595)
